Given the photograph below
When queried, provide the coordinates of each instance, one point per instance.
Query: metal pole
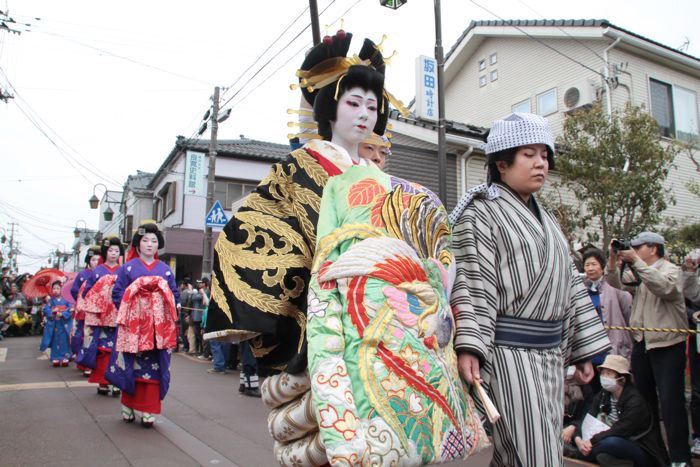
(207, 260)
(442, 156)
(315, 30)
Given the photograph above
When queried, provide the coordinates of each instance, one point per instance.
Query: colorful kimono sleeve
(120, 286)
(89, 283)
(80, 278)
(474, 293)
(48, 312)
(585, 336)
(67, 314)
(330, 382)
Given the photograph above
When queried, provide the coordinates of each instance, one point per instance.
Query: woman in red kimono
(101, 316)
(147, 297)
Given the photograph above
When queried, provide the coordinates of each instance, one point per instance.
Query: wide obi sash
(528, 333)
(147, 316)
(98, 304)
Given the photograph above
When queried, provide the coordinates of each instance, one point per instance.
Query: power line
(33, 119)
(128, 59)
(304, 47)
(575, 39)
(554, 49)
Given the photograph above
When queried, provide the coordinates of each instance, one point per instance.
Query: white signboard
(194, 174)
(426, 88)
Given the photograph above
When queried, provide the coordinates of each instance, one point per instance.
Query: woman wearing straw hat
(632, 439)
(522, 313)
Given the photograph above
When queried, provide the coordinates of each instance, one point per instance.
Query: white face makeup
(112, 254)
(94, 261)
(355, 119)
(148, 246)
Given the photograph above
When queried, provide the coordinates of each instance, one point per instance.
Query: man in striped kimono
(522, 312)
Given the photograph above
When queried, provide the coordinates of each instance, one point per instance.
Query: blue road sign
(216, 217)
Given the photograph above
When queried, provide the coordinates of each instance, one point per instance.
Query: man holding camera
(658, 358)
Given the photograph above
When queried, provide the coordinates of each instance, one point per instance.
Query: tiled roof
(139, 181)
(452, 127)
(244, 147)
(557, 23)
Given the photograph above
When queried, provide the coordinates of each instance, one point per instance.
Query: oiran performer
(263, 259)
(522, 310)
(92, 259)
(101, 316)
(147, 298)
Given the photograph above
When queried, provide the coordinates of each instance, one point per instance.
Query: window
(675, 110)
(165, 201)
(685, 104)
(494, 75)
(229, 191)
(482, 64)
(493, 59)
(547, 102)
(129, 229)
(662, 106)
(482, 81)
(522, 107)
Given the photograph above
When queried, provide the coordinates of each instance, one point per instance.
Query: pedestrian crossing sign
(217, 216)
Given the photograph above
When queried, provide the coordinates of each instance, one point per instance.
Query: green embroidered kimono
(384, 377)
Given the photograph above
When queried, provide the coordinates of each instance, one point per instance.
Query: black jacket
(635, 422)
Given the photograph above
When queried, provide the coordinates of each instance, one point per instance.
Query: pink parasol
(40, 284)
(65, 290)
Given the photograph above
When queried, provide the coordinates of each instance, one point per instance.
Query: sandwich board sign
(216, 216)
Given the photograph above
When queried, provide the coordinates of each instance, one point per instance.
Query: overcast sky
(113, 83)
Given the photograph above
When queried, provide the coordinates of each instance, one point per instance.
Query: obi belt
(98, 304)
(147, 316)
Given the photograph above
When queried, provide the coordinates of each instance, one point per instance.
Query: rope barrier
(633, 328)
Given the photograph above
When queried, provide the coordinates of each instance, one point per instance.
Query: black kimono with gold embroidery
(263, 257)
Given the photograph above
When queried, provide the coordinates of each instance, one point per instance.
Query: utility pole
(442, 149)
(207, 257)
(12, 245)
(315, 29)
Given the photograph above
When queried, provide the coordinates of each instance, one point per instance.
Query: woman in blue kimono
(92, 259)
(57, 329)
(147, 298)
(101, 316)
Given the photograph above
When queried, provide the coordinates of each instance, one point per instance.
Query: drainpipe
(606, 74)
(463, 159)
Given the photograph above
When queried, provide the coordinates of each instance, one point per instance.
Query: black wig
(368, 78)
(108, 242)
(94, 250)
(146, 229)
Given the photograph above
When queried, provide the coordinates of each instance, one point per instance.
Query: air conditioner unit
(579, 95)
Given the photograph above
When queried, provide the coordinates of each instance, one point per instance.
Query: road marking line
(3, 354)
(45, 385)
(190, 445)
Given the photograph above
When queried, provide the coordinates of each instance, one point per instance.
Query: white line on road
(45, 385)
(3, 354)
(190, 445)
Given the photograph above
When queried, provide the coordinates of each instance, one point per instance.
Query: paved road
(52, 416)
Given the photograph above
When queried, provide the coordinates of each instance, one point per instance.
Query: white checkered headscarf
(519, 129)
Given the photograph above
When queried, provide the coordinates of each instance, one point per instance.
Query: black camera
(620, 245)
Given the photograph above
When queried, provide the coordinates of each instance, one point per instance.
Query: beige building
(552, 67)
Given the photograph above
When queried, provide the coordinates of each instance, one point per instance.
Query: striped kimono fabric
(514, 269)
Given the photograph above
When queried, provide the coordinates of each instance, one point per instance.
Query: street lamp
(108, 214)
(77, 230)
(393, 4)
(94, 200)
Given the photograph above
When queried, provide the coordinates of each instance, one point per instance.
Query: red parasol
(40, 285)
(65, 290)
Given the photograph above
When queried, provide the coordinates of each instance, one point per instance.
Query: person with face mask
(632, 439)
(147, 297)
(92, 259)
(101, 316)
